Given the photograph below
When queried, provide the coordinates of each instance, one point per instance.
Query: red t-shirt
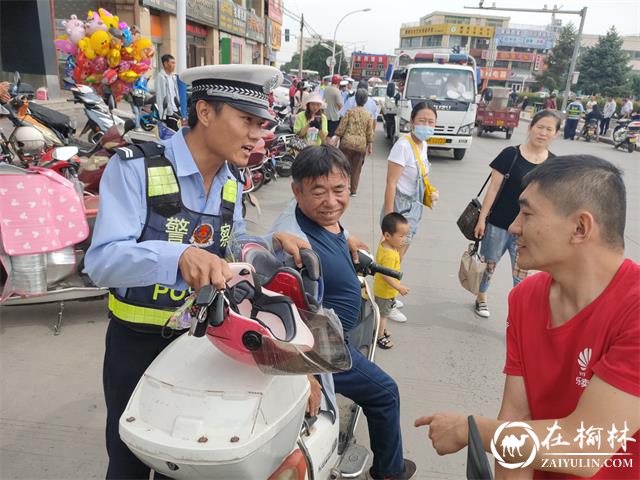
(557, 363)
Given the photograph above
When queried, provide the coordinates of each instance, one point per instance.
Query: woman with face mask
(405, 186)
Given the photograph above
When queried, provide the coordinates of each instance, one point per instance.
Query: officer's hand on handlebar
(199, 268)
(4, 92)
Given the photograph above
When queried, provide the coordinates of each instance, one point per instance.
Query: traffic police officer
(167, 213)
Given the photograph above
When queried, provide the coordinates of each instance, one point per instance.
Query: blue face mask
(423, 132)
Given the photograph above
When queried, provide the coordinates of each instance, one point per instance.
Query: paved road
(446, 359)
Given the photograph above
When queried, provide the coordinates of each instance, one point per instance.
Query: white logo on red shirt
(583, 359)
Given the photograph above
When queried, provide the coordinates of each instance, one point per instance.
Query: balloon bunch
(104, 52)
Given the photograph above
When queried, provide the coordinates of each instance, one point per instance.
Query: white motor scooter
(197, 413)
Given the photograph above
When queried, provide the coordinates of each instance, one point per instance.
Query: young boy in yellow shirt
(395, 229)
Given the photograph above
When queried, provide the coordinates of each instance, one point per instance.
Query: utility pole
(553, 12)
(301, 49)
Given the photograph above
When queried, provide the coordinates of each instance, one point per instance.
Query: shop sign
(276, 35)
(255, 27)
(232, 17)
(494, 73)
(275, 10)
(196, 31)
(448, 29)
(204, 12)
(511, 56)
(163, 5)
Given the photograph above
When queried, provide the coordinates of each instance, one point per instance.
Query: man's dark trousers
(377, 393)
(570, 125)
(128, 354)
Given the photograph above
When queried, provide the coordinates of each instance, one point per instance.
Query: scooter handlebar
(366, 266)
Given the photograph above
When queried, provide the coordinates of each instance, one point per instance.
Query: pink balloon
(99, 64)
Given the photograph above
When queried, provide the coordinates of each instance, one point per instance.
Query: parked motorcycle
(44, 234)
(626, 132)
(247, 418)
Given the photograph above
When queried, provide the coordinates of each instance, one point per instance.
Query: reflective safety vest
(170, 221)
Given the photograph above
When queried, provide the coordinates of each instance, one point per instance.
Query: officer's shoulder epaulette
(146, 149)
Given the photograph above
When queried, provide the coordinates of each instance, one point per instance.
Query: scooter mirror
(391, 89)
(129, 125)
(111, 102)
(16, 78)
(64, 153)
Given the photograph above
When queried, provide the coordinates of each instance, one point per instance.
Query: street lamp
(333, 50)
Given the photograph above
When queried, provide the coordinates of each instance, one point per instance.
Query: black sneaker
(409, 472)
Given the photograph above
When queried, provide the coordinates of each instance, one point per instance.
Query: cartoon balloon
(113, 57)
(139, 46)
(127, 37)
(94, 23)
(109, 76)
(75, 29)
(99, 65)
(126, 53)
(85, 47)
(140, 68)
(128, 76)
(64, 45)
(100, 42)
(111, 21)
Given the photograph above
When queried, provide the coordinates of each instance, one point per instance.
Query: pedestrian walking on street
(550, 104)
(405, 186)
(311, 123)
(395, 229)
(574, 112)
(500, 205)
(167, 93)
(333, 100)
(607, 113)
(356, 137)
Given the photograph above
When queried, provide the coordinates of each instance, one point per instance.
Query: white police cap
(245, 87)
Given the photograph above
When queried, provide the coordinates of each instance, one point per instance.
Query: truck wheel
(480, 130)
(458, 153)
(509, 133)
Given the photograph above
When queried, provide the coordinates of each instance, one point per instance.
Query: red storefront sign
(275, 10)
(196, 31)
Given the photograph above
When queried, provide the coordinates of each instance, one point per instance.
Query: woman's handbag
(430, 196)
(472, 267)
(469, 218)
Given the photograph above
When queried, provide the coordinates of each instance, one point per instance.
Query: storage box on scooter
(197, 413)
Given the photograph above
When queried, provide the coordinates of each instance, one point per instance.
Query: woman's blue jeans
(495, 243)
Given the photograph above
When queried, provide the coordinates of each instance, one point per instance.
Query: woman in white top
(405, 186)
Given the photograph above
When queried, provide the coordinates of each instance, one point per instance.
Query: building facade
(366, 65)
(218, 31)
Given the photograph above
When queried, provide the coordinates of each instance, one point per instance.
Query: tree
(634, 85)
(604, 68)
(315, 59)
(554, 76)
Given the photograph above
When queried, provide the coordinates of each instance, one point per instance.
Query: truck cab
(448, 82)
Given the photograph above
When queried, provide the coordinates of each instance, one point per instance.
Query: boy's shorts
(385, 305)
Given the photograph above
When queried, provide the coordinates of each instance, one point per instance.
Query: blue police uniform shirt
(341, 284)
(370, 106)
(115, 258)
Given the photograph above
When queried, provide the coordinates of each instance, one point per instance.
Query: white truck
(449, 83)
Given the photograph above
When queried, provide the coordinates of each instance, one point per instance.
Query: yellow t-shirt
(390, 258)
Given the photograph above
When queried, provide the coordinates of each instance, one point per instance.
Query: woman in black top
(497, 214)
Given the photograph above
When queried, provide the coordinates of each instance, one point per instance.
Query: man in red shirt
(573, 335)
